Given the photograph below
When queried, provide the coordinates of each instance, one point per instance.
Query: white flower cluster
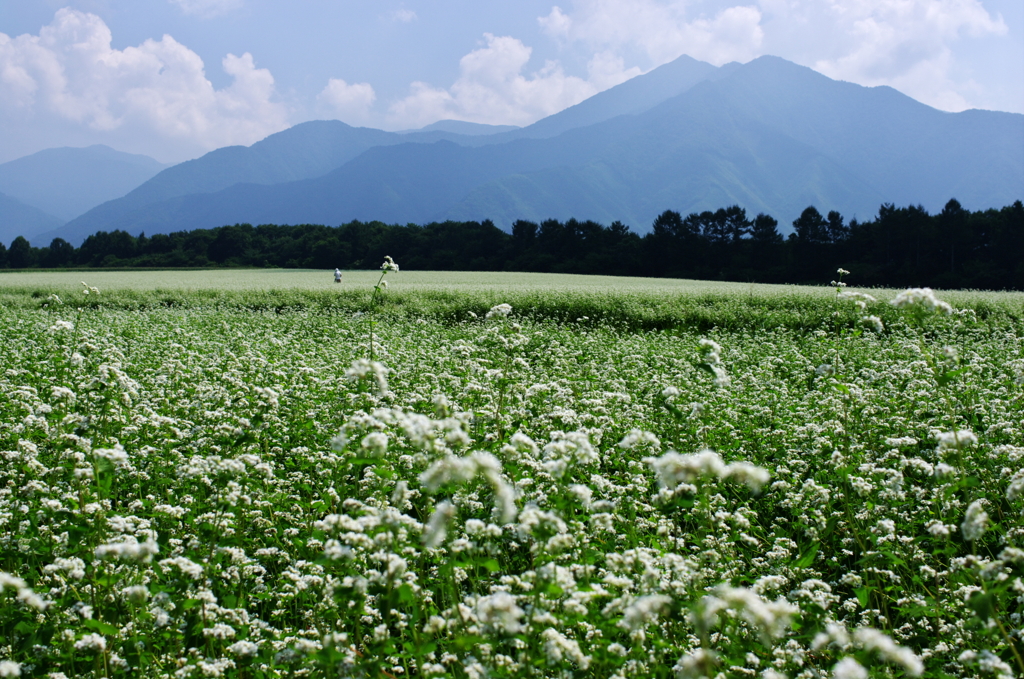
(675, 469)
(770, 618)
(499, 311)
(24, 592)
(860, 299)
(922, 301)
(888, 650)
(388, 265)
(711, 358)
(129, 550)
(975, 521)
(362, 369)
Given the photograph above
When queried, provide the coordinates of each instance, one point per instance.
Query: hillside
(315, 148)
(769, 136)
(66, 182)
(17, 219)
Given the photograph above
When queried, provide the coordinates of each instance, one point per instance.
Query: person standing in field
(337, 275)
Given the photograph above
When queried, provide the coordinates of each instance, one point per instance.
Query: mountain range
(769, 135)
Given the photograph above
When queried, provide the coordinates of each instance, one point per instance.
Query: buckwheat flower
(988, 663)
(752, 476)
(500, 612)
(618, 649)
(137, 594)
(362, 369)
(722, 378)
(243, 649)
(62, 325)
(842, 272)
(499, 311)
(1016, 488)
(268, 397)
(938, 529)
(375, 444)
(873, 322)
(389, 265)
(187, 567)
(825, 370)
(9, 668)
(921, 301)
(975, 521)
(644, 610)
(556, 646)
(849, 668)
(673, 468)
(31, 599)
(638, 437)
(860, 299)
(449, 469)
(710, 350)
(219, 631)
(696, 664)
(953, 440)
(8, 581)
(91, 643)
(116, 455)
(130, 550)
(24, 592)
(437, 527)
(872, 640)
(771, 618)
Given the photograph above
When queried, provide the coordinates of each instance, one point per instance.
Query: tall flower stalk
(378, 290)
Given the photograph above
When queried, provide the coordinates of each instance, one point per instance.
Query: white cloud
(661, 30)
(492, 88)
(70, 76)
(404, 16)
(207, 8)
(907, 44)
(348, 103)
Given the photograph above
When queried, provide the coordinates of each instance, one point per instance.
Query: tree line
(901, 246)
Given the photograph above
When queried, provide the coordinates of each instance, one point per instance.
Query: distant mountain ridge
(17, 219)
(66, 182)
(769, 135)
(312, 149)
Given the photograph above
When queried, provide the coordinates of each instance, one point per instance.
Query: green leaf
(101, 627)
(405, 594)
(807, 558)
(947, 377)
(863, 595)
(983, 604)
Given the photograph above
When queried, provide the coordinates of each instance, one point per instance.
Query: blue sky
(176, 78)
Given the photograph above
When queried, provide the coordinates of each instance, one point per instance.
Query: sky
(174, 79)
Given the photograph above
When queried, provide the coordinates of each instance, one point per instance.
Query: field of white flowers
(491, 482)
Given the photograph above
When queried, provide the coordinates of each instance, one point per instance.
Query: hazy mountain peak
(768, 135)
(67, 181)
(466, 128)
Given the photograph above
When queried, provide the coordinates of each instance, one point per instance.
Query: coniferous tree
(19, 256)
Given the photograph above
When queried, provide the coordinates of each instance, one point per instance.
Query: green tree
(60, 253)
(765, 230)
(20, 254)
(810, 227)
